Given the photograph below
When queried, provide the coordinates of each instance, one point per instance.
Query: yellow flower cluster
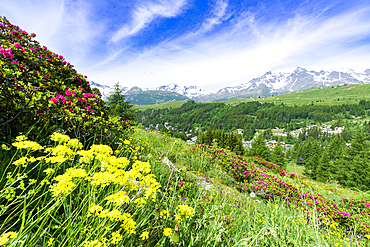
(128, 224)
(164, 214)
(118, 198)
(5, 147)
(65, 182)
(116, 237)
(144, 235)
(167, 232)
(96, 243)
(184, 211)
(60, 138)
(24, 161)
(6, 237)
(23, 143)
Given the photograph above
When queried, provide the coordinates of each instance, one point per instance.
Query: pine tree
(119, 106)
(259, 147)
(310, 169)
(323, 173)
(277, 156)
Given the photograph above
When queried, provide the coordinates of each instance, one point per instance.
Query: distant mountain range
(271, 83)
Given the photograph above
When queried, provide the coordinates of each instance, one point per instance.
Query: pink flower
(86, 95)
(6, 52)
(17, 45)
(82, 89)
(55, 101)
(85, 76)
(68, 93)
(33, 34)
(60, 56)
(1, 25)
(15, 62)
(47, 75)
(40, 56)
(31, 49)
(181, 183)
(44, 47)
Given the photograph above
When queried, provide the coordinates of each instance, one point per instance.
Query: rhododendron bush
(269, 181)
(40, 89)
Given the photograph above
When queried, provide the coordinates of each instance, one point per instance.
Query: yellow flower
(6, 237)
(127, 142)
(29, 145)
(50, 242)
(167, 232)
(60, 138)
(184, 210)
(116, 237)
(118, 198)
(5, 147)
(94, 210)
(49, 171)
(164, 214)
(144, 235)
(367, 236)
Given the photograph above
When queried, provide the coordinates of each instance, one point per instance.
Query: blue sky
(208, 43)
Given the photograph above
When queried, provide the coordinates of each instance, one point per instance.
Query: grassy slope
(246, 220)
(327, 95)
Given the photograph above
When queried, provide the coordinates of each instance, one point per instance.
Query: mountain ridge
(270, 83)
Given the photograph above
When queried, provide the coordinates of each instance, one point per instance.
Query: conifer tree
(277, 156)
(259, 147)
(310, 169)
(119, 106)
(323, 169)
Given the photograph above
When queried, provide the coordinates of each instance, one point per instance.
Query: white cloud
(218, 13)
(146, 13)
(231, 58)
(64, 26)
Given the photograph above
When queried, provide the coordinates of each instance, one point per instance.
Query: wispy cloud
(65, 26)
(145, 13)
(219, 42)
(218, 13)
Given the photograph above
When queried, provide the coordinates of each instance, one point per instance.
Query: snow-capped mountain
(187, 91)
(299, 79)
(270, 83)
(105, 89)
(190, 91)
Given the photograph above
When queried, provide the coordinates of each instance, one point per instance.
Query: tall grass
(65, 195)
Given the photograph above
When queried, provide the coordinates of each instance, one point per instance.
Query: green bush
(40, 92)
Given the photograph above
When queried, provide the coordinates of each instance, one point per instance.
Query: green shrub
(41, 92)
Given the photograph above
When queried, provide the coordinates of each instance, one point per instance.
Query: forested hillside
(249, 115)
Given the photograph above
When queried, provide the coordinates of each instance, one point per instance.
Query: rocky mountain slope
(271, 83)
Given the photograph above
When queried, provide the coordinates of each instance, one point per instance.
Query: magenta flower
(68, 93)
(31, 49)
(40, 56)
(82, 89)
(47, 75)
(181, 183)
(6, 52)
(55, 101)
(17, 45)
(87, 95)
(1, 25)
(15, 62)
(44, 47)
(33, 34)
